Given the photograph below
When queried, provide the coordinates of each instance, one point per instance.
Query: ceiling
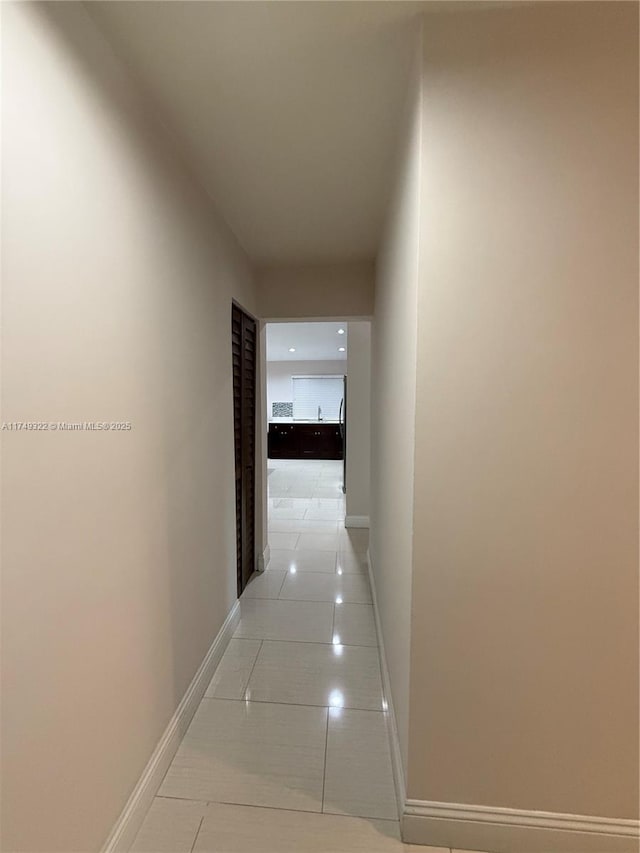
(311, 341)
(287, 111)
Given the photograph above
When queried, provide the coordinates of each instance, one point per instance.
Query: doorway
(244, 350)
(305, 389)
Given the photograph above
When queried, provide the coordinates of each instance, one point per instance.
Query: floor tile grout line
(252, 701)
(304, 601)
(278, 597)
(308, 600)
(291, 704)
(282, 584)
(311, 642)
(345, 552)
(275, 808)
(334, 554)
(324, 766)
(246, 686)
(333, 572)
(181, 799)
(328, 574)
(193, 846)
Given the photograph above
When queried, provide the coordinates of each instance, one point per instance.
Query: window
(309, 392)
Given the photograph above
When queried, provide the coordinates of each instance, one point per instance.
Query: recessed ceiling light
(292, 349)
(341, 331)
(341, 349)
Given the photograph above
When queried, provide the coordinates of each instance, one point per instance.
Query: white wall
(393, 411)
(524, 664)
(358, 421)
(118, 548)
(280, 373)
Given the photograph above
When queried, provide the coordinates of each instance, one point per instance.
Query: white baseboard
(356, 521)
(502, 830)
(134, 812)
(392, 728)
(263, 559)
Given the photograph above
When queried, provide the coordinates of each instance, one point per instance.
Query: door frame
(263, 500)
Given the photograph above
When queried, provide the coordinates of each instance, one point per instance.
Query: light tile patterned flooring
(288, 750)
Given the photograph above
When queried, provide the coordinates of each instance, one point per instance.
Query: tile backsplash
(282, 410)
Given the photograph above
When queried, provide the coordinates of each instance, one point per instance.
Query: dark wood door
(244, 348)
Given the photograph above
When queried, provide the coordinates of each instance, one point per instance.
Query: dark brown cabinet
(305, 441)
(280, 440)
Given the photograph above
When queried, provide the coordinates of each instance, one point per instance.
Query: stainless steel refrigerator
(342, 417)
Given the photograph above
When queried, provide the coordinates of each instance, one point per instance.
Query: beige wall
(316, 291)
(118, 558)
(359, 419)
(524, 663)
(393, 378)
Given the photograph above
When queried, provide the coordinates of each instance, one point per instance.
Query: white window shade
(309, 392)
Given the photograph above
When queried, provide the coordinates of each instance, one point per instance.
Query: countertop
(291, 421)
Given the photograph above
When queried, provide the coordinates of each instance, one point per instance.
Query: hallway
(220, 222)
(288, 749)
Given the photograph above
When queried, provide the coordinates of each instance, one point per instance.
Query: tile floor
(288, 750)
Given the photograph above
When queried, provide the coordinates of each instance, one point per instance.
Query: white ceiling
(311, 341)
(288, 111)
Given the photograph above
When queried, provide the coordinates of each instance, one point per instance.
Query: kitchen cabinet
(305, 441)
(281, 440)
